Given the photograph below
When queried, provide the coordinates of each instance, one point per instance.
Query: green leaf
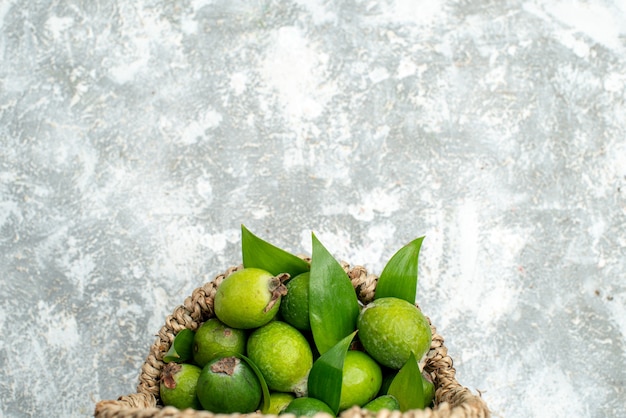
(399, 277)
(333, 305)
(326, 375)
(265, 402)
(407, 386)
(181, 349)
(261, 254)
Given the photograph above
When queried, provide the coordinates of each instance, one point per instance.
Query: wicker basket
(451, 399)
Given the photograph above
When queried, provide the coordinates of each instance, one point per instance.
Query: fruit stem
(277, 288)
(226, 365)
(167, 376)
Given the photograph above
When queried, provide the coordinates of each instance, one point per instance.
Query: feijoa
(228, 385)
(391, 328)
(215, 339)
(249, 298)
(177, 386)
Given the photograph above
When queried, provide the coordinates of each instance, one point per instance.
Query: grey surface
(138, 136)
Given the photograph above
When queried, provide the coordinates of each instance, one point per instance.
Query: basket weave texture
(451, 399)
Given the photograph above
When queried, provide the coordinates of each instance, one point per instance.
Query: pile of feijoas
(289, 335)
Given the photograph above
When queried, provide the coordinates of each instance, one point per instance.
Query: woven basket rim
(451, 398)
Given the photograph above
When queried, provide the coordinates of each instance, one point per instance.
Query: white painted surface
(136, 138)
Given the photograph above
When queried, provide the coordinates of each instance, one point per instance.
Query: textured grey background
(136, 137)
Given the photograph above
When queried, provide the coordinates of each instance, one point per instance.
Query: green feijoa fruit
(278, 402)
(361, 379)
(388, 402)
(429, 389)
(283, 355)
(177, 386)
(215, 339)
(294, 307)
(228, 385)
(308, 407)
(249, 298)
(391, 328)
